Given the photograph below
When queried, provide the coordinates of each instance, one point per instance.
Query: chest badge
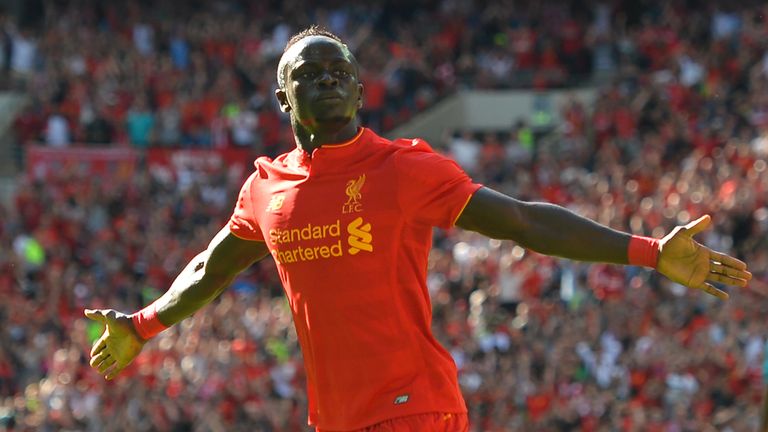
(275, 203)
(354, 195)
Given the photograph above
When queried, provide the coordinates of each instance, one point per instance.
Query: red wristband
(643, 251)
(146, 323)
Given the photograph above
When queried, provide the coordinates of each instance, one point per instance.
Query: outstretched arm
(543, 227)
(201, 281)
(207, 275)
(553, 230)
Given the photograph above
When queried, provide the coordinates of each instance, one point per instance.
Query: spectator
(57, 132)
(243, 124)
(99, 129)
(143, 38)
(6, 45)
(179, 49)
(465, 150)
(140, 123)
(24, 51)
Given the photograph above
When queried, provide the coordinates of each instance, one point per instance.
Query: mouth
(331, 96)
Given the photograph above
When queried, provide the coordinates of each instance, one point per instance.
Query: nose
(326, 78)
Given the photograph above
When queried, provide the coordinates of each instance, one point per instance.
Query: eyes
(311, 74)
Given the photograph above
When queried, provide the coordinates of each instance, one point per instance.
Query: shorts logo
(401, 399)
(359, 236)
(275, 203)
(353, 204)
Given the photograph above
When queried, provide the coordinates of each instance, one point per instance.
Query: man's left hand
(685, 261)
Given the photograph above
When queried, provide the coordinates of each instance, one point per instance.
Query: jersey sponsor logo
(284, 240)
(308, 232)
(354, 195)
(401, 399)
(303, 254)
(360, 237)
(275, 203)
(289, 245)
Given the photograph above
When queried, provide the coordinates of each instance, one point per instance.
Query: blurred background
(127, 127)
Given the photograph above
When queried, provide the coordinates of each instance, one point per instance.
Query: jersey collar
(345, 143)
(303, 158)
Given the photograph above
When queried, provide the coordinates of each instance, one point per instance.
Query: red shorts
(430, 422)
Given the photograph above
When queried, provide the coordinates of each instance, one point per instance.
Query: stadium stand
(680, 128)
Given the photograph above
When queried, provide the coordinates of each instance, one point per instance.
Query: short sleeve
(243, 222)
(432, 189)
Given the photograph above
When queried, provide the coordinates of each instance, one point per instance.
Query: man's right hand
(119, 344)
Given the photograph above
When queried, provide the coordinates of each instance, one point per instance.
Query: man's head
(318, 80)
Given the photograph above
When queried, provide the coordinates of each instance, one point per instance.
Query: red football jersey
(350, 228)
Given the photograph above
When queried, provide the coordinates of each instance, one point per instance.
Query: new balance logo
(401, 399)
(275, 203)
(360, 237)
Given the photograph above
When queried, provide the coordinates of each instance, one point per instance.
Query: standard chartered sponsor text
(308, 232)
(285, 237)
(289, 244)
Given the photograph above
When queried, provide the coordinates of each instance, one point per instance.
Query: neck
(308, 140)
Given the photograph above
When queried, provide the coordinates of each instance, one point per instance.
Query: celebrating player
(347, 216)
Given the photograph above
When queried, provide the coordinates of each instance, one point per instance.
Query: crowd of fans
(542, 344)
(192, 74)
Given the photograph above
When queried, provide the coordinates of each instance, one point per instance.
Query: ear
(282, 99)
(360, 91)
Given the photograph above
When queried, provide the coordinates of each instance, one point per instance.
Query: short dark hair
(313, 30)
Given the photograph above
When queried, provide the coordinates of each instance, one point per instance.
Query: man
(348, 216)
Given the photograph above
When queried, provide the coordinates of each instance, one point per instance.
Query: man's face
(321, 84)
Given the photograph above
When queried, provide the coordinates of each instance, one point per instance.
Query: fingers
(102, 361)
(106, 364)
(113, 373)
(99, 346)
(98, 358)
(720, 278)
(727, 270)
(711, 290)
(740, 276)
(728, 261)
(698, 225)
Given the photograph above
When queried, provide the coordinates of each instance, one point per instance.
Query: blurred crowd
(200, 74)
(542, 344)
